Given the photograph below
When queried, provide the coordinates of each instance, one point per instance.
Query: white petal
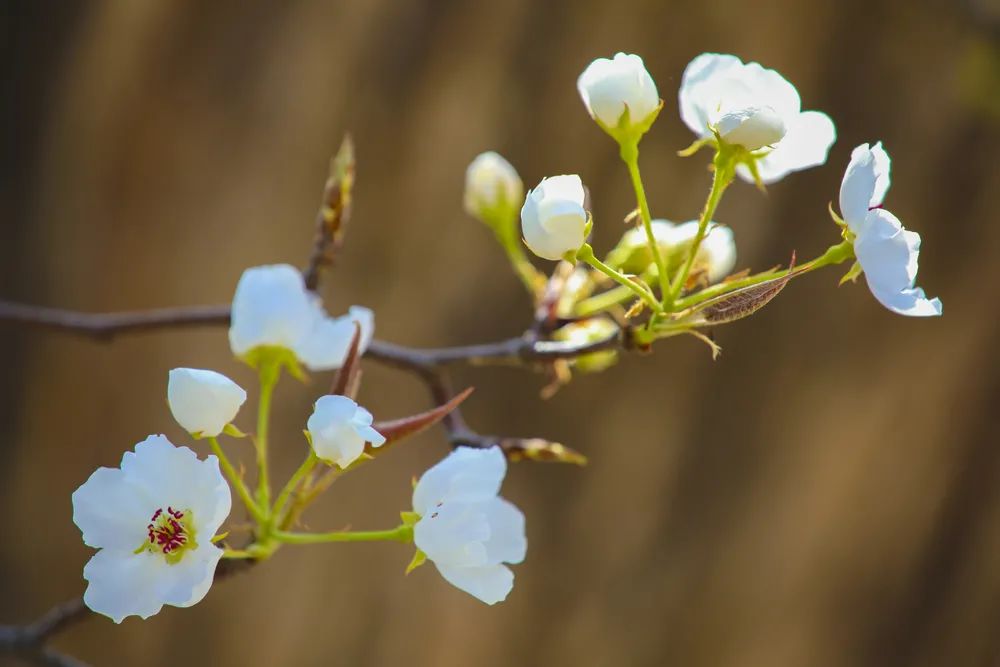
(454, 533)
(883, 177)
(203, 401)
(806, 144)
(370, 435)
(111, 511)
(271, 307)
(170, 476)
(507, 542)
(326, 345)
(121, 584)
(466, 475)
(698, 95)
(490, 583)
(888, 254)
(718, 251)
(186, 583)
(772, 89)
(857, 188)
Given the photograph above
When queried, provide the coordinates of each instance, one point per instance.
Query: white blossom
(203, 401)
(153, 520)
(339, 428)
(610, 86)
(465, 528)
(888, 253)
(273, 308)
(553, 218)
(754, 107)
(491, 183)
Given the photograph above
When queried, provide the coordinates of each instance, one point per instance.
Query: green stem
(630, 155)
(237, 553)
(607, 299)
(397, 534)
(234, 478)
(269, 372)
(293, 483)
(586, 254)
(506, 236)
(722, 176)
(835, 254)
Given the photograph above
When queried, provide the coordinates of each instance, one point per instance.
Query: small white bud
(752, 128)
(608, 87)
(491, 184)
(553, 219)
(339, 429)
(202, 401)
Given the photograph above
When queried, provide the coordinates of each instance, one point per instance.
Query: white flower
(887, 252)
(465, 528)
(202, 401)
(754, 107)
(716, 256)
(553, 219)
(273, 308)
(153, 520)
(339, 428)
(491, 183)
(609, 87)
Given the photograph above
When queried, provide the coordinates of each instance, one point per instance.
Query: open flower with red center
(153, 520)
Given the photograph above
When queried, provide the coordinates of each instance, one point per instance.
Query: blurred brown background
(823, 495)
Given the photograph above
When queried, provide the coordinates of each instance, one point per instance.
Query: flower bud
(752, 128)
(202, 401)
(491, 186)
(609, 87)
(339, 428)
(553, 219)
(716, 256)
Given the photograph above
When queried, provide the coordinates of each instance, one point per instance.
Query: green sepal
(419, 558)
(233, 432)
(278, 357)
(627, 132)
(409, 518)
(695, 146)
(852, 274)
(836, 218)
(221, 536)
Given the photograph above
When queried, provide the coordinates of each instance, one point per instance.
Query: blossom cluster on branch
(157, 520)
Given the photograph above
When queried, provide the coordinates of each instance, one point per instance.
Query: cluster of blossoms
(155, 520)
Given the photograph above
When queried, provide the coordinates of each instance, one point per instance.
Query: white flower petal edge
(273, 308)
(553, 218)
(203, 401)
(153, 520)
(887, 252)
(339, 429)
(465, 528)
(609, 86)
(754, 107)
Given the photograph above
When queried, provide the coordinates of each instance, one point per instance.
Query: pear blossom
(491, 183)
(339, 428)
(465, 528)
(754, 107)
(716, 255)
(553, 218)
(273, 308)
(203, 401)
(152, 520)
(887, 252)
(609, 87)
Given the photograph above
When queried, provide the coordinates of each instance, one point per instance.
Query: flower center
(170, 532)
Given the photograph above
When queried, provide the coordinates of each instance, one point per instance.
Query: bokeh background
(825, 494)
